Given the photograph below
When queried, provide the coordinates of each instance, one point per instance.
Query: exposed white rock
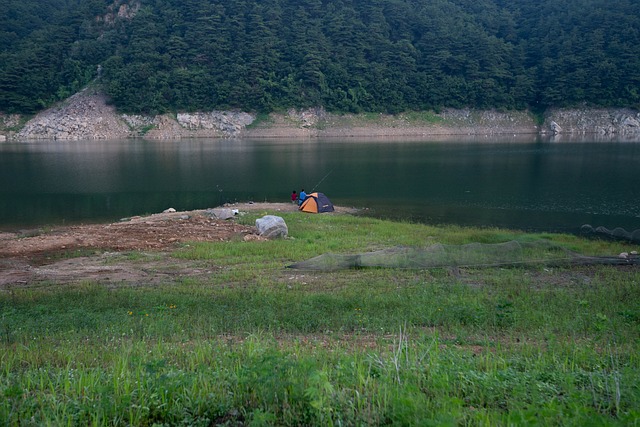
(85, 115)
(630, 122)
(221, 213)
(272, 227)
(307, 118)
(602, 121)
(227, 122)
(120, 9)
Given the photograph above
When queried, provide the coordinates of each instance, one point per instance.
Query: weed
(255, 343)
(143, 130)
(262, 119)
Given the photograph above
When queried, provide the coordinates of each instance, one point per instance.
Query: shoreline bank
(88, 115)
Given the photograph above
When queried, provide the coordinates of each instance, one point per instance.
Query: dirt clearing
(97, 252)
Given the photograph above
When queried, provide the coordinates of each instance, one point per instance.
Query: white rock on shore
(602, 121)
(230, 123)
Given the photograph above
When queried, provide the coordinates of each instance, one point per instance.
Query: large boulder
(555, 128)
(272, 227)
(222, 213)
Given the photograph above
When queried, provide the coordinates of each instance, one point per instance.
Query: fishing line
(319, 182)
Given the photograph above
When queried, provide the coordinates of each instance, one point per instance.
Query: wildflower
(130, 313)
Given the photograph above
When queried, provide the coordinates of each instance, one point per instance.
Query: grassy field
(259, 344)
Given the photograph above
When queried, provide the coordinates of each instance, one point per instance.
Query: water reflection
(525, 182)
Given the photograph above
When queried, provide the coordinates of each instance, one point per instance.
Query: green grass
(145, 129)
(262, 119)
(258, 344)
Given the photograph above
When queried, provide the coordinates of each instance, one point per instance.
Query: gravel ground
(52, 256)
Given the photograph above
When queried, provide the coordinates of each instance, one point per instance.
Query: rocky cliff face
(87, 115)
(214, 124)
(620, 121)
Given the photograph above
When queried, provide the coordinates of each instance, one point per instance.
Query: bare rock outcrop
(600, 121)
(307, 123)
(227, 122)
(214, 124)
(161, 126)
(120, 9)
(85, 115)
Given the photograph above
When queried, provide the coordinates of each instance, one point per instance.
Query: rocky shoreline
(88, 115)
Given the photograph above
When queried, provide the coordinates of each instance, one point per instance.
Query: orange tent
(316, 203)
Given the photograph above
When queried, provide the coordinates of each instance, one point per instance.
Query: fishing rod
(319, 182)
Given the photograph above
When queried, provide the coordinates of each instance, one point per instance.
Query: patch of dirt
(56, 256)
(155, 232)
(110, 269)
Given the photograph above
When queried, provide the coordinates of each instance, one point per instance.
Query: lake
(524, 183)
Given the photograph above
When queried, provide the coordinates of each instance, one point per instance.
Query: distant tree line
(345, 55)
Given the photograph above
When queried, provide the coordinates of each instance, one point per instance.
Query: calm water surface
(531, 185)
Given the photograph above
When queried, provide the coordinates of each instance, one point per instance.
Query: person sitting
(301, 197)
(294, 197)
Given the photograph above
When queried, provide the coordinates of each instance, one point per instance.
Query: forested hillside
(346, 55)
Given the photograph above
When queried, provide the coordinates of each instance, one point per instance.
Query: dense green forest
(345, 55)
